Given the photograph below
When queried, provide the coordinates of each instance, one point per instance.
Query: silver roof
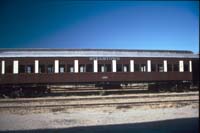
(95, 53)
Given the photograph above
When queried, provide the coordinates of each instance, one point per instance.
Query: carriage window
(21, 69)
(82, 68)
(186, 67)
(153, 67)
(101, 68)
(108, 67)
(50, 69)
(160, 68)
(143, 68)
(119, 67)
(70, 68)
(169, 67)
(136, 67)
(9, 68)
(61, 68)
(89, 68)
(176, 67)
(41, 69)
(125, 68)
(104, 67)
(29, 69)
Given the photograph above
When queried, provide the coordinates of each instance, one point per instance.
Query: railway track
(103, 104)
(100, 91)
(27, 100)
(94, 91)
(99, 101)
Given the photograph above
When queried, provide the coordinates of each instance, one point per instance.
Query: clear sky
(99, 24)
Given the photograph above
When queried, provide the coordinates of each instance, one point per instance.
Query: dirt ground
(73, 117)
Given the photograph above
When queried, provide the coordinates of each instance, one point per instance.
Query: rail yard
(95, 101)
(30, 72)
(74, 111)
(56, 88)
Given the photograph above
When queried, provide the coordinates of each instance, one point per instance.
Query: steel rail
(93, 98)
(101, 104)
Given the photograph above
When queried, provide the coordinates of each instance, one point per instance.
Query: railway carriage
(37, 68)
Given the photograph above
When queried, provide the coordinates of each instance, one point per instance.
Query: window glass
(50, 69)
(136, 68)
(119, 67)
(126, 68)
(160, 68)
(61, 68)
(153, 67)
(21, 69)
(143, 68)
(169, 67)
(82, 68)
(9, 68)
(70, 68)
(41, 68)
(89, 68)
(101, 68)
(29, 69)
(186, 67)
(176, 67)
(108, 68)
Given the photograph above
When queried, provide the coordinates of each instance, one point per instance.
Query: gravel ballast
(73, 117)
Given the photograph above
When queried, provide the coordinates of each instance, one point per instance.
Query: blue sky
(100, 24)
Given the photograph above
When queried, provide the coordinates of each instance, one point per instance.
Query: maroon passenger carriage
(36, 68)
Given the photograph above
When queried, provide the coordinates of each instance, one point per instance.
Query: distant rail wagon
(22, 69)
